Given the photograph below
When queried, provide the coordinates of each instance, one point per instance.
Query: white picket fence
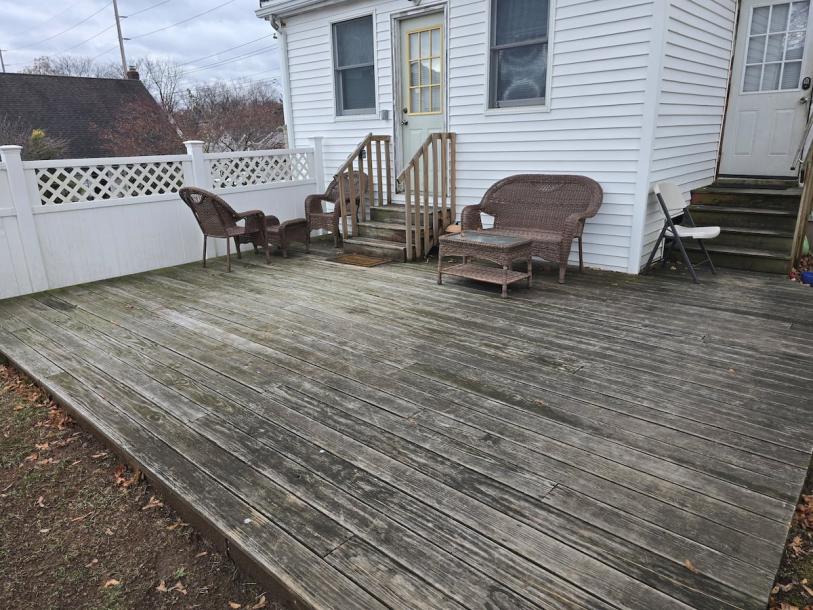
(73, 221)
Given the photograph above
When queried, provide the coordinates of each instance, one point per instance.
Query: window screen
(353, 53)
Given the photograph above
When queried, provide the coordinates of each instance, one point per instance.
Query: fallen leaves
(261, 603)
(123, 481)
(153, 503)
(111, 583)
(690, 566)
(235, 605)
(40, 502)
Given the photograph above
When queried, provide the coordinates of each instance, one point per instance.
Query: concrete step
(744, 217)
(756, 238)
(375, 247)
(732, 257)
(752, 198)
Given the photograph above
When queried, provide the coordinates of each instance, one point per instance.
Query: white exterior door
(768, 106)
(423, 81)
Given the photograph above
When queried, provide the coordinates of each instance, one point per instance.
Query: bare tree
(140, 131)
(37, 145)
(163, 78)
(72, 65)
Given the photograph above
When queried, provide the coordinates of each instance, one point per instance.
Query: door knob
(804, 100)
(404, 122)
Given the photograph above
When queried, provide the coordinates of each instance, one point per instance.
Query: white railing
(72, 221)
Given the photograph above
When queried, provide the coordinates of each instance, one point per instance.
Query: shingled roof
(74, 108)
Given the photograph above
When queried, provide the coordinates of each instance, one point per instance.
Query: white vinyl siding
(598, 121)
(691, 100)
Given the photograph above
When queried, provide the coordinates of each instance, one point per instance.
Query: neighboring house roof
(74, 109)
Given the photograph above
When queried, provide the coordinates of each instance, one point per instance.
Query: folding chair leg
(686, 259)
(228, 255)
(204, 251)
(706, 254)
(654, 251)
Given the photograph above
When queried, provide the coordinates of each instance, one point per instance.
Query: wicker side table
(500, 249)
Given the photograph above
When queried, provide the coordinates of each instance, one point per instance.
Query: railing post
(200, 176)
(23, 206)
(318, 163)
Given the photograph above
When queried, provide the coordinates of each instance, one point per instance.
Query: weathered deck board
(396, 444)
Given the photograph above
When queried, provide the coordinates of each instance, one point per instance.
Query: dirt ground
(79, 531)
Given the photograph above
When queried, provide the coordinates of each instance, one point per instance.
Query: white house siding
(601, 53)
(699, 38)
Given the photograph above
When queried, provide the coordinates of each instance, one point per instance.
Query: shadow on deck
(364, 438)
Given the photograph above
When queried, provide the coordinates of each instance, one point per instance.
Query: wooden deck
(367, 439)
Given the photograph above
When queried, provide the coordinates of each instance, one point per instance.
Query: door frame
(735, 88)
(396, 21)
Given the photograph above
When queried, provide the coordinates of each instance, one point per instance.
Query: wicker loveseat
(549, 210)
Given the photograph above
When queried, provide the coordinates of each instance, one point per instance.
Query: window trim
(529, 105)
(339, 112)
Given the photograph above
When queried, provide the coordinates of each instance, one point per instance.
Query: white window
(776, 43)
(519, 52)
(353, 58)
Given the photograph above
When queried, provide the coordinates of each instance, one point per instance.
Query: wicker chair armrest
(250, 213)
(313, 204)
(292, 222)
(255, 220)
(574, 224)
(470, 219)
(271, 220)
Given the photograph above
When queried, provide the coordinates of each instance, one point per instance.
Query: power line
(223, 62)
(187, 20)
(66, 30)
(149, 8)
(245, 44)
(96, 35)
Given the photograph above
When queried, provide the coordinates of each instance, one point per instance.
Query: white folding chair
(674, 207)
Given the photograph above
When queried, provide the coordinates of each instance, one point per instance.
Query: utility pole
(2, 63)
(121, 38)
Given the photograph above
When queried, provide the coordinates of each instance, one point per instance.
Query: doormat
(359, 260)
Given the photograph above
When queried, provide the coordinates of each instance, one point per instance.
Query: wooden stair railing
(375, 188)
(422, 198)
(805, 206)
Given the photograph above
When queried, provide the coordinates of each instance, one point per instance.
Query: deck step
(744, 217)
(387, 231)
(375, 247)
(755, 238)
(734, 257)
(393, 212)
(760, 198)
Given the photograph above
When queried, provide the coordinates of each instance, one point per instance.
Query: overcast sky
(33, 28)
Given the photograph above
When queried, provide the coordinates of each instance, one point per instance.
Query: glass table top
(486, 239)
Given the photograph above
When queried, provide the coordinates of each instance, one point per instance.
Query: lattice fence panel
(59, 185)
(230, 172)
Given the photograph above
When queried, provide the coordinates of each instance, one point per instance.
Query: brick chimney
(132, 73)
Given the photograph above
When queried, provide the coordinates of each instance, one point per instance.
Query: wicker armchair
(315, 212)
(549, 210)
(216, 218)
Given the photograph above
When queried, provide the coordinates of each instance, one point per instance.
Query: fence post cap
(194, 142)
(10, 147)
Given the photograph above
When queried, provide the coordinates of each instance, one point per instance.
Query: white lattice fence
(108, 180)
(231, 170)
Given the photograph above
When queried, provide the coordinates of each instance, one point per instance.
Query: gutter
(287, 103)
(282, 9)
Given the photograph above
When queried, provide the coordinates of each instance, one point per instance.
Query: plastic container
(807, 277)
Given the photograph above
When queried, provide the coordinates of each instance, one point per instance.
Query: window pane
(779, 17)
(770, 77)
(354, 42)
(414, 48)
(425, 75)
(756, 50)
(775, 48)
(436, 43)
(790, 77)
(435, 71)
(425, 44)
(521, 72)
(520, 20)
(425, 99)
(753, 75)
(798, 15)
(358, 88)
(796, 44)
(414, 100)
(435, 99)
(759, 20)
(414, 73)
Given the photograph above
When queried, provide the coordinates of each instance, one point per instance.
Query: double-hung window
(353, 60)
(519, 53)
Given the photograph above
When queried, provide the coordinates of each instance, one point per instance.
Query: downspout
(287, 104)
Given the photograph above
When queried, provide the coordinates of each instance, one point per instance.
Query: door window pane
(519, 52)
(425, 63)
(353, 54)
(773, 62)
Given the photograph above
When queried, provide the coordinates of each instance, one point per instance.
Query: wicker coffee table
(500, 249)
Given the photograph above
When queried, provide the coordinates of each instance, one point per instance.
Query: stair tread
(376, 224)
(722, 249)
(763, 192)
(378, 243)
(701, 207)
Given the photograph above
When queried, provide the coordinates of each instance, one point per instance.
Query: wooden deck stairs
(405, 226)
(757, 220)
